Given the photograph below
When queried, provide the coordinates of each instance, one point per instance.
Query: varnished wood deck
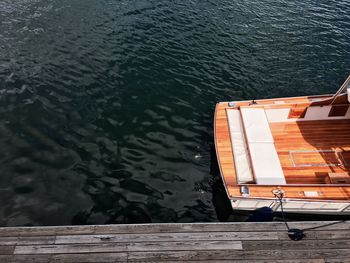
(323, 144)
(211, 242)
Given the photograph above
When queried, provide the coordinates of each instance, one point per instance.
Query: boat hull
(292, 206)
(307, 138)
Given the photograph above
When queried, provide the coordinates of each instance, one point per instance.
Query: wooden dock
(207, 242)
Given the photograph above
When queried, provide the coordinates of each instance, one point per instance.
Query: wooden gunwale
(223, 172)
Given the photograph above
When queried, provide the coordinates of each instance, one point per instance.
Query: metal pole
(340, 90)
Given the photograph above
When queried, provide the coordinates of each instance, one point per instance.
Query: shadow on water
(221, 202)
(112, 207)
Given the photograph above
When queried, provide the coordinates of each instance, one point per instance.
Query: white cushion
(240, 152)
(266, 164)
(256, 125)
(264, 158)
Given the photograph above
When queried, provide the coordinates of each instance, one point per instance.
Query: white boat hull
(293, 206)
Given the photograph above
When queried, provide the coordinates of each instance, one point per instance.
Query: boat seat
(264, 158)
(240, 152)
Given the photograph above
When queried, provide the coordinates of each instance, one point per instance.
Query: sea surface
(106, 106)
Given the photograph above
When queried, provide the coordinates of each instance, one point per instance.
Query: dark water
(106, 106)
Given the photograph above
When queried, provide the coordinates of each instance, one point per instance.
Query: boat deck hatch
(311, 158)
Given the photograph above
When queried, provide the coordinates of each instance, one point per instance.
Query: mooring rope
(295, 233)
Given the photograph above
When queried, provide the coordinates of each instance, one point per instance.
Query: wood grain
(173, 237)
(122, 246)
(200, 242)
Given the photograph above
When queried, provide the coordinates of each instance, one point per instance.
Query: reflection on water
(106, 106)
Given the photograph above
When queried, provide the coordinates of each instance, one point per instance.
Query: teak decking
(323, 146)
(309, 151)
(210, 242)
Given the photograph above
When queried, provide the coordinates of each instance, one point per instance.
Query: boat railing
(341, 90)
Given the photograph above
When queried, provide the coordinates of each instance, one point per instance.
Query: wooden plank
(240, 254)
(113, 257)
(121, 247)
(330, 235)
(5, 258)
(29, 259)
(27, 240)
(45, 231)
(90, 258)
(336, 260)
(333, 234)
(122, 257)
(6, 250)
(303, 244)
(167, 228)
(161, 237)
(249, 261)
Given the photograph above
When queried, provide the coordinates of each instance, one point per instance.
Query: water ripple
(106, 106)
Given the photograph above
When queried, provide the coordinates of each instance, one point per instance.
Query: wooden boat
(293, 152)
